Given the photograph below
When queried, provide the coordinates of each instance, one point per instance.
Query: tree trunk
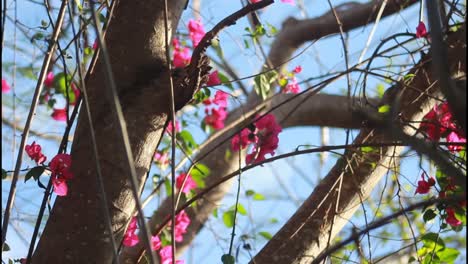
(76, 230)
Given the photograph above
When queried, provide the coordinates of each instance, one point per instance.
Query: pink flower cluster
(166, 256)
(60, 166)
(451, 219)
(292, 86)
(188, 185)
(5, 86)
(169, 128)
(34, 151)
(423, 185)
(421, 31)
(131, 238)
(182, 223)
(215, 117)
(264, 137)
(181, 56)
(162, 159)
(439, 123)
(196, 31)
(213, 79)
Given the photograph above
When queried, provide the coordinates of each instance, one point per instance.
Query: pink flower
(189, 183)
(298, 69)
(95, 44)
(423, 185)
(196, 31)
(182, 55)
(155, 242)
(291, 2)
(267, 133)
(216, 118)
(130, 237)
(220, 98)
(60, 187)
(213, 79)
(437, 121)
(166, 256)
(241, 141)
(292, 87)
(451, 219)
(169, 128)
(60, 166)
(182, 223)
(455, 138)
(421, 31)
(34, 152)
(162, 159)
(49, 80)
(5, 86)
(60, 115)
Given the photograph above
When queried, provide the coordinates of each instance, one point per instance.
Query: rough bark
(75, 231)
(338, 196)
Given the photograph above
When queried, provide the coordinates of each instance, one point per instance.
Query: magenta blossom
(155, 243)
(60, 115)
(213, 79)
(34, 152)
(215, 118)
(60, 166)
(423, 185)
(189, 182)
(166, 256)
(182, 55)
(451, 219)
(196, 31)
(130, 237)
(5, 86)
(292, 87)
(49, 80)
(421, 31)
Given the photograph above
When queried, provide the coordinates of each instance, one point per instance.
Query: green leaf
(167, 185)
(249, 192)
(411, 259)
(187, 140)
(261, 86)
(4, 174)
(215, 212)
(273, 220)
(240, 209)
(409, 76)
(199, 173)
(258, 197)
(265, 235)
(225, 81)
(448, 255)
(37, 36)
(6, 247)
(228, 218)
(429, 215)
(34, 173)
(380, 90)
(228, 259)
(384, 109)
(368, 149)
(433, 241)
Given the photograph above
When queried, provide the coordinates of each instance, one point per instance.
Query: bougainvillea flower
(162, 159)
(243, 140)
(5, 86)
(166, 256)
(451, 219)
(60, 187)
(169, 128)
(189, 183)
(220, 98)
(453, 137)
(267, 133)
(49, 80)
(155, 243)
(131, 238)
(421, 30)
(291, 2)
(298, 69)
(182, 55)
(60, 166)
(216, 118)
(95, 44)
(213, 79)
(76, 92)
(34, 152)
(292, 87)
(196, 31)
(423, 185)
(182, 223)
(60, 115)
